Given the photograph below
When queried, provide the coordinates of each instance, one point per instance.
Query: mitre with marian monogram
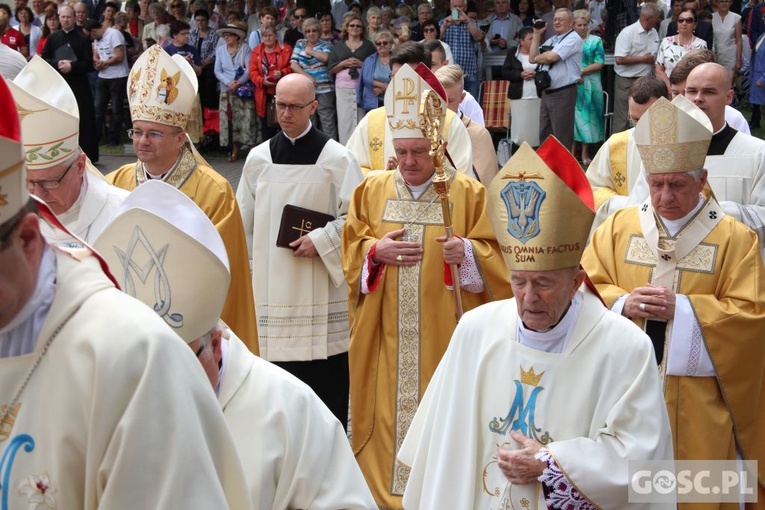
(13, 185)
(161, 89)
(164, 251)
(673, 137)
(50, 119)
(541, 208)
(403, 99)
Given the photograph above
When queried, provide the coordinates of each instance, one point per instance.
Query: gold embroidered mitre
(673, 137)
(164, 251)
(403, 99)
(541, 208)
(161, 89)
(50, 119)
(13, 174)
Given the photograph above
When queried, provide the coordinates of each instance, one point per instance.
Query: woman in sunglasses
(674, 47)
(430, 32)
(375, 73)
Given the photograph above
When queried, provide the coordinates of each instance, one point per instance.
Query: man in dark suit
(69, 51)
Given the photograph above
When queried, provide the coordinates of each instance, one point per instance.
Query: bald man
(300, 295)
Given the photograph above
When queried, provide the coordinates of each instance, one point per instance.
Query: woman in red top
(270, 60)
(52, 24)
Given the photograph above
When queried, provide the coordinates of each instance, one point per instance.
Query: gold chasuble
(214, 195)
(714, 260)
(401, 329)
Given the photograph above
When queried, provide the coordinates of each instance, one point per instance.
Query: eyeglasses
(382, 43)
(183, 33)
(199, 351)
(686, 20)
(282, 107)
(52, 183)
(300, 16)
(429, 29)
(176, 6)
(309, 30)
(137, 134)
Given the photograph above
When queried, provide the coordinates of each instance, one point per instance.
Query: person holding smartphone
(460, 33)
(503, 28)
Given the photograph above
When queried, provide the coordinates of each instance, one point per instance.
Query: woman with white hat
(237, 108)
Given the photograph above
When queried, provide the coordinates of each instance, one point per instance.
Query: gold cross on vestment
(375, 144)
(304, 228)
(407, 95)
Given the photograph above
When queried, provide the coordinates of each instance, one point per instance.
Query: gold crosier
(430, 124)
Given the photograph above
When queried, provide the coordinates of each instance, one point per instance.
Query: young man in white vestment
(372, 140)
(692, 277)
(294, 452)
(58, 171)
(540, 401)
(301, 297)
(102, 406)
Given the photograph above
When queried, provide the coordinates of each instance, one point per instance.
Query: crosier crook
(430, 124)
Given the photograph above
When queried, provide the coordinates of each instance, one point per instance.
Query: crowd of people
(377, 315)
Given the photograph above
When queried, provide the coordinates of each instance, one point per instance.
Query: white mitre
(164, 251)
(673, 137)
(13, 178)
(161, 89)
(50, 119)
(404, 96)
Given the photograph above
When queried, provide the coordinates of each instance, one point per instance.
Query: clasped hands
(650, 302)
(389, 250)
(521, 467)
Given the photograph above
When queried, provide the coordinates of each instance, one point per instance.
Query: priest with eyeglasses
(294, 195)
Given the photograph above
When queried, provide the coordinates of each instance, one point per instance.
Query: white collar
(555, 339)
(301, 135)
(674, 226)
(420, 188)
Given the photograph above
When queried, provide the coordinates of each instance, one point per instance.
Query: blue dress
(588, 116)
(757, 94)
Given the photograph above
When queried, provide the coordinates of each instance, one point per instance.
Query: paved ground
(231, 171)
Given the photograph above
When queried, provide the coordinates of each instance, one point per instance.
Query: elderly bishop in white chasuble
(541, 400)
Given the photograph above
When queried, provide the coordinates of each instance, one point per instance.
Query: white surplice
(301, 303)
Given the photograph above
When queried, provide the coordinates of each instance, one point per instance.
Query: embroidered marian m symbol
(521, 414)
(162, 291)
(523, 200)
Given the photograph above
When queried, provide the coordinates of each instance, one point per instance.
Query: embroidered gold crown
(529, 377)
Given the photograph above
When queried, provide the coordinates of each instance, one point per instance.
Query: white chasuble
(594, 406)
(301, 303)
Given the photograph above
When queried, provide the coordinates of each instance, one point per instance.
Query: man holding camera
(560, 56)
